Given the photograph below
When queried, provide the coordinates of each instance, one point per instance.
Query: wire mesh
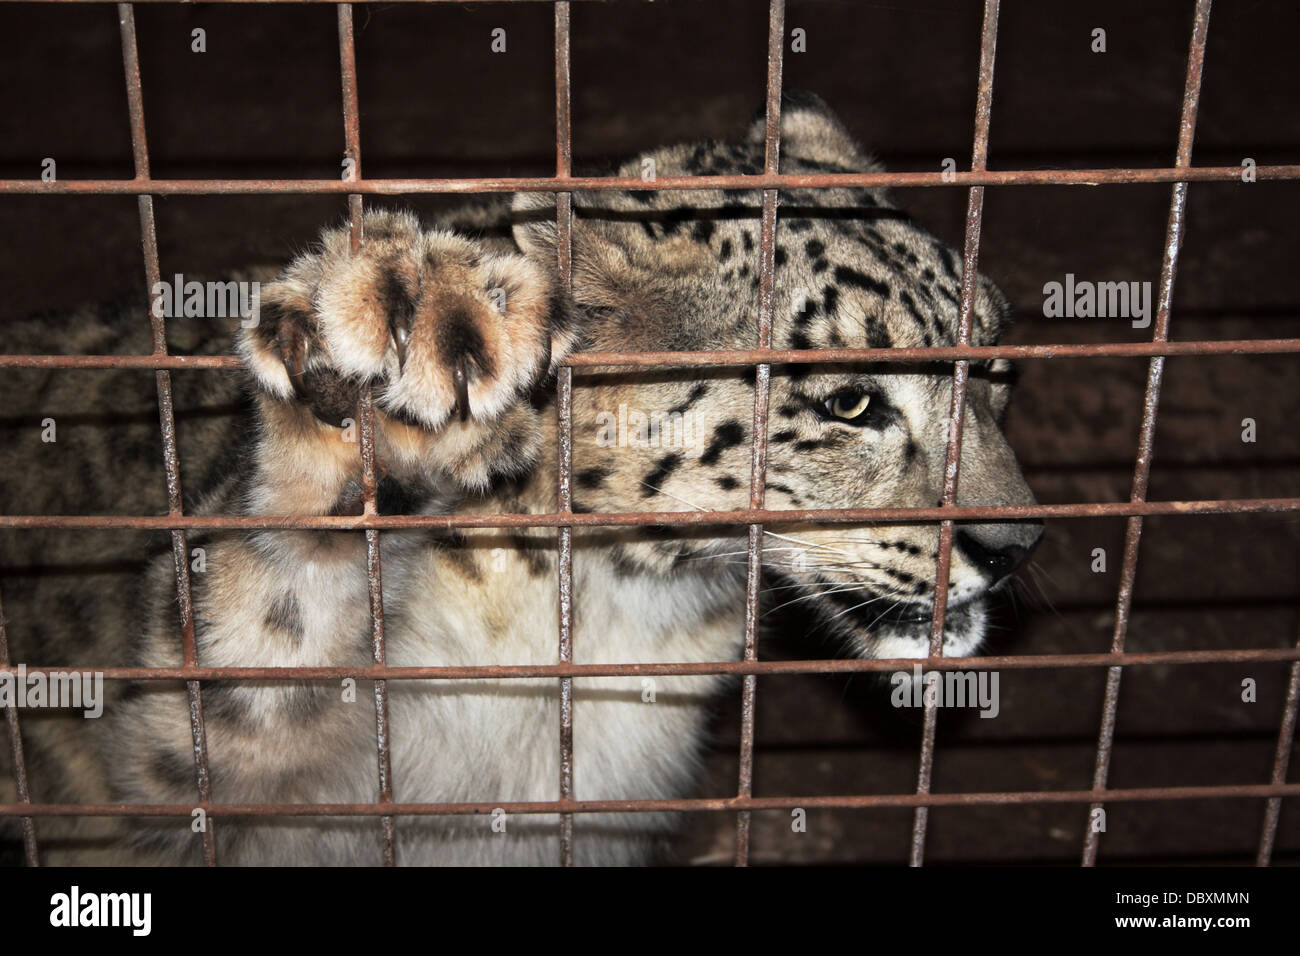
(564, 184)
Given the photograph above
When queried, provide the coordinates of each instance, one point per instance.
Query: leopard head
(679, 270)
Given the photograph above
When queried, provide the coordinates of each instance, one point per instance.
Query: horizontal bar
(726, 357)
(698, 804)
(294, 2)
(1101, 509)
(512, 184)
(679, 669)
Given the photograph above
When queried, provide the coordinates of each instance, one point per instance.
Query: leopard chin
(964, 628)
(903, 631)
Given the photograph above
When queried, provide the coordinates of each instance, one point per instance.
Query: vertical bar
(564, 409)
(351, 116)
(16, 753)
(167, 421)
(1150, 404)
(960, 376)
(1281, 759)
(366, 414)
(762, 389)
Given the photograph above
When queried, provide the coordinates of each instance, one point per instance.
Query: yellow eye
(849, 405)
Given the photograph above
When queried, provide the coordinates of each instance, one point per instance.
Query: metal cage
(975, 180)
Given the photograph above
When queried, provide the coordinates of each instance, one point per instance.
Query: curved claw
(399, 328)
(461, 381)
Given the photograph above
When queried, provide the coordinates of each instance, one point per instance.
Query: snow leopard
(457, 328)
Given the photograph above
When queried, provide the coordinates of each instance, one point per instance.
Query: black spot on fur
(227, 701)
(393, 497)
(454, 550)
(948, 259)
(593, 477)
(662, 472)
(285, 614)
(703, 230)
(724, 253)
(831, 299)
(533, 553)
(782, 437)
(174, 770)
(623, 565)
(698, 391)
(855, 279)
(726, 482)
(303, 703)
(644, 196)
(727, 435)
(878, 336)
(815, 248)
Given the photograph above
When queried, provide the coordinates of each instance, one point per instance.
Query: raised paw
(440, 326)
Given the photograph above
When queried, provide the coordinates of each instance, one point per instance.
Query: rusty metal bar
(366, 414)
(1101, 509)
(30, 855)
(1150, 407)
(762, 391)
(1281, 760)
(375, 589)
(564, 410)
(689, 669)
(960, 376)
(687, 805)
(546, 184)
(166, 419)
(738, 357)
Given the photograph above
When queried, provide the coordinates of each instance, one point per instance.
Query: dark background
(264, 101)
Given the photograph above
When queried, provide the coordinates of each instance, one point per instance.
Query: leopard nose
(997, 560)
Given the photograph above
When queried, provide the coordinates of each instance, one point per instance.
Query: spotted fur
(411, 311)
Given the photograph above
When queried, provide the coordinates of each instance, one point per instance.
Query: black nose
(998, 561)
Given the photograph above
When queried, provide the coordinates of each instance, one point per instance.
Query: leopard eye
(848, 406)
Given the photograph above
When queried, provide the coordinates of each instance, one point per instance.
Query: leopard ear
(811, 130)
